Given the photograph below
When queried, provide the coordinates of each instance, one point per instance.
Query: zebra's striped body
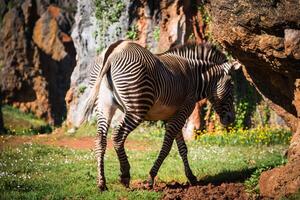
(156, 87)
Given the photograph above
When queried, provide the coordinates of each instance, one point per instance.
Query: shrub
(156, 33)
(256, 136)
(132, 33)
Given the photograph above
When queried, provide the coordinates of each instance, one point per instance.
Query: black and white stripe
(139, 81)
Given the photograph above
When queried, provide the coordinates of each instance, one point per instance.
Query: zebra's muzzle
(227, 118)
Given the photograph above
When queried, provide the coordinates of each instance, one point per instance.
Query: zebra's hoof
(193, 180)
(125, 181)
(149, 183)
(102, 187)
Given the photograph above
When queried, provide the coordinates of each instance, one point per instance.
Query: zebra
(146, 86)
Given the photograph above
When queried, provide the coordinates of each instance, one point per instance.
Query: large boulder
(284, 180)
(264, 36)
(37, 58)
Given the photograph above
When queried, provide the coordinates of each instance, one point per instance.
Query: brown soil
(58, 138)
(175, 190)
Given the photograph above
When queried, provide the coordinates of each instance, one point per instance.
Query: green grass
(147, 130)
(252, 182)
(19, 123)
(87, 129)
(44, 172)
(293, 196)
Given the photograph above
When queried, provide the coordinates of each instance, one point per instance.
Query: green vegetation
(292, 197)
(156, 33)
(241, 113)
(87, 129)
(132, 33)
(19, 123)
(81, 89)
(251, 111)
(255, 136)
(36, 171)
(251, 183)
(107, 12)
(205, 16)
(10, 4)
(147, 130)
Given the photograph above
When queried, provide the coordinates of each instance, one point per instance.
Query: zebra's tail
(93, 94)
(89, 102)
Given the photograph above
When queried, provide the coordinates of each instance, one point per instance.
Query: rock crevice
(38, 57)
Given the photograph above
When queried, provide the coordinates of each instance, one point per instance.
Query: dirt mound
(280, 181)
(175, 190)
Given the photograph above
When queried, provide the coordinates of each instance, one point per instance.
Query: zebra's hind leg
(183, 153)
(101, 143)
(128, 124)
(105, 110)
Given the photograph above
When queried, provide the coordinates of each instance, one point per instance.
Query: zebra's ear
(236, 65)
(233, 65)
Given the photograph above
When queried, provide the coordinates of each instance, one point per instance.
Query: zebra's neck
(208, 77)
(206, 63)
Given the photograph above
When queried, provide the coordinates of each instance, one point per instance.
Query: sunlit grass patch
(86, 129)
(146, 130)
(44, 172)
(19, 123)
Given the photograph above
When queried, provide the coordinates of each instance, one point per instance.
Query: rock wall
(37, 56)
(264, 36)
(158, 25)
(87, 43)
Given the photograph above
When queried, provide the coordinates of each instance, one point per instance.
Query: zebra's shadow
(237, 176)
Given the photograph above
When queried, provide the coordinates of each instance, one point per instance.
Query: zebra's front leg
(128, 124)
(182, 148)
(166, 147)
(174, 126)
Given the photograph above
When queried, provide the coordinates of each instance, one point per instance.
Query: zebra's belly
(160, 112)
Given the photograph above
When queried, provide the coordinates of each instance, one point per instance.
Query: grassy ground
(35, 171)
(19, 123)
(41, 171)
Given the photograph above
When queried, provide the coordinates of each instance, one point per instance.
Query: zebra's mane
(190, 49)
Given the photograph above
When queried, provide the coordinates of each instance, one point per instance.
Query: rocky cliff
(153, 24)
(42, 34)
(37, 55)
(265, 37)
